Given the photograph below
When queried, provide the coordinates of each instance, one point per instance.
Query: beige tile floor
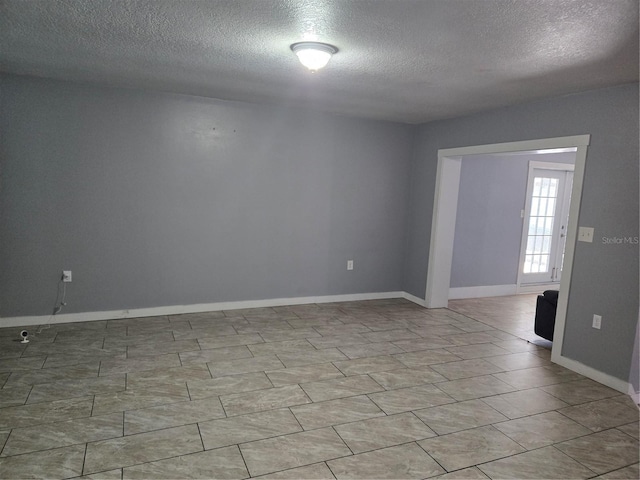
(377, 389)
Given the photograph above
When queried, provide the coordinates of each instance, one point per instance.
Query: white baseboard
(635, 396)
(197, 308)
(538, 288)
(414, 299)
(482, 291)
(604, 378)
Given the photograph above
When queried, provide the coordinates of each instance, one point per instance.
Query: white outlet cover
(585, 234)
(349, 264)
(66, 276)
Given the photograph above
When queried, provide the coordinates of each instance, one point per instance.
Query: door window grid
(543, 203)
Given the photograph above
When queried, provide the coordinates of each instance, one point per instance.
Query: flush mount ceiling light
(313, 55)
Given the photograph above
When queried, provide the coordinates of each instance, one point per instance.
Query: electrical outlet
(349, 264)
(66, 276)
(597, 321)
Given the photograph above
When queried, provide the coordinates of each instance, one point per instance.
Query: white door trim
(443, 227)
(569, 252)
(444, 220)
(567, 167)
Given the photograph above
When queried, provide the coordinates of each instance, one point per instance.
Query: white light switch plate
(597, 321)
(585, 234)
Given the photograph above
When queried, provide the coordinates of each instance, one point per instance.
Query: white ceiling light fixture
(313, 55)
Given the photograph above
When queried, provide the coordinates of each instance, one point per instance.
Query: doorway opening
(444, 219)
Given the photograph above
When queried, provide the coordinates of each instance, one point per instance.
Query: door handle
(553, 271)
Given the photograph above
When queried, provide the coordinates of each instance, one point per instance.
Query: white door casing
(444, 219)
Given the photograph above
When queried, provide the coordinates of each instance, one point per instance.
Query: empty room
(319, 239)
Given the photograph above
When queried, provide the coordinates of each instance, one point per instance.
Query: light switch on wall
(585, 234)
(597, 321)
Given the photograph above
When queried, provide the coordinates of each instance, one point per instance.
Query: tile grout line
(84, 457)
(200, 435)
(237, 445)
(6, 441)
(434, 459)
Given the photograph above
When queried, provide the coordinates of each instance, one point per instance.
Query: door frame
(563, 167)
(445, 206)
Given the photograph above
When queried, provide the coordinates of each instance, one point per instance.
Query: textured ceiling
(403, 60)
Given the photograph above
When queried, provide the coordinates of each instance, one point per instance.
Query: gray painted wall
(486, 248)
(605, 277)
(154, 199)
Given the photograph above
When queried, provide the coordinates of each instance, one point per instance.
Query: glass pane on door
(540, 233)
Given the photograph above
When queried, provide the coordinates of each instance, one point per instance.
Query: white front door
(546, 219)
